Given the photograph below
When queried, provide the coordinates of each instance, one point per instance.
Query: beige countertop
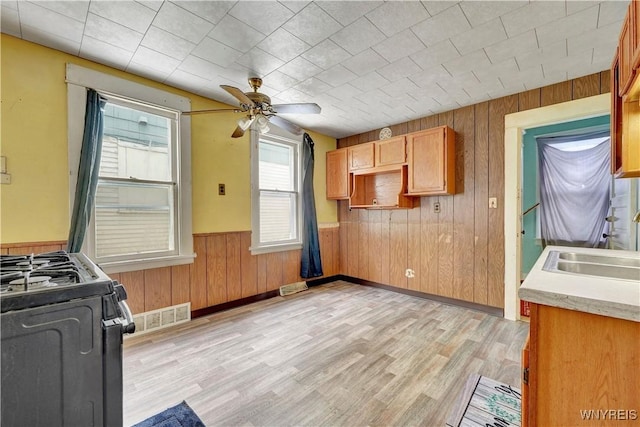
(591, 294)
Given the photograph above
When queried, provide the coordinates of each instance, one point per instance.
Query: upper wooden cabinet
(431, 160)
(393, 173)
(634, 17)
(616, 118)
(625, 95)
(629, 152)
(390, 151)
(385, 189)
(626, 53)
(337, 174)
(361, 156)
(376, 154)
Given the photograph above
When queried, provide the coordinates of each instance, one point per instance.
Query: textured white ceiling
(368, 64)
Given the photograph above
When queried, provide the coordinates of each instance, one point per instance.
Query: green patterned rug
(486, 402)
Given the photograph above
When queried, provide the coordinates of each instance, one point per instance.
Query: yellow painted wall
(33, 137)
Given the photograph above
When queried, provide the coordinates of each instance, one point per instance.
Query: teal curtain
(311, 264)
(87, 170)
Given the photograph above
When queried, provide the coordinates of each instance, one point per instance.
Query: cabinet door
(390, 151)
(625, 53)
(524, 398)
(580, 362)
(431, 155)
(634, 12)
(361, 156)
(616, 118)
(337, 174)
(630, 155)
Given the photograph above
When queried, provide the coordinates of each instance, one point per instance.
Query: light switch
(493, 203)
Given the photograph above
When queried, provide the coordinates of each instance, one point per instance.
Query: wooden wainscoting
(32, 247)
(224, 270)
(459, 252)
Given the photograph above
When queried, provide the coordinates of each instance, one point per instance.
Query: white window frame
(78, 79)
(279, 136)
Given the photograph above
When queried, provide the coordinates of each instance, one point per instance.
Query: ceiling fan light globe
(244, 123)
(262, 120)
(263, 123)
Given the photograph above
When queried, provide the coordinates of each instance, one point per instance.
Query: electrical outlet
(493, 203)
(436, 207)
(410, 273)
(221, 190)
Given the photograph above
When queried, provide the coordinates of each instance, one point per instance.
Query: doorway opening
(515, 124)
(565, 166)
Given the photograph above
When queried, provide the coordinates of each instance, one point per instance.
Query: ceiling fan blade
(223, 110)
(297, 108)
(237, 133)
(286, 125)
(240, 96)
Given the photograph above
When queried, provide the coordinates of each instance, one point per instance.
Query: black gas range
(62, 322)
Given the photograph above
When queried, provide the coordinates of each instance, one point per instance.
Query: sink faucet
(636, 217)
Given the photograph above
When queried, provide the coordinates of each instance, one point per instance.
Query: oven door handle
(128, 325)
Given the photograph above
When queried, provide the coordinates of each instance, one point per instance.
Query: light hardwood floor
(339, 355)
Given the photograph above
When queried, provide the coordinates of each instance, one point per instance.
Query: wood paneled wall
(459, 252)
(224, 270)
(32, 247)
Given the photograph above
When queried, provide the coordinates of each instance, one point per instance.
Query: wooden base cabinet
(583, 370)
(525, 384)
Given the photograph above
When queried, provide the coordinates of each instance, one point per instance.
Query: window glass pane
(277, 216)
(135, 144)
(133, 218)
(276, 167)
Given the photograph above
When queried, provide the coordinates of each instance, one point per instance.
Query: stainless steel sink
(602, 270)
(612, 267)
(599, 259)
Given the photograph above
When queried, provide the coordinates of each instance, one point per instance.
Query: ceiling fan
(259, 109)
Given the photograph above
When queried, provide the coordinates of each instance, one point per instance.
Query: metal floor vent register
(293, 288)
(155, 320)
(486, 402)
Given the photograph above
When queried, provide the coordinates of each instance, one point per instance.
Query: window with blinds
(276, 194)
(135, 209)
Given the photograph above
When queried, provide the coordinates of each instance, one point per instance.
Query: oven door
(52, 365)
(118, 320)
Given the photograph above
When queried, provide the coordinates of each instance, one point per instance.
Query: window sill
(145, 264)
(275, 248)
